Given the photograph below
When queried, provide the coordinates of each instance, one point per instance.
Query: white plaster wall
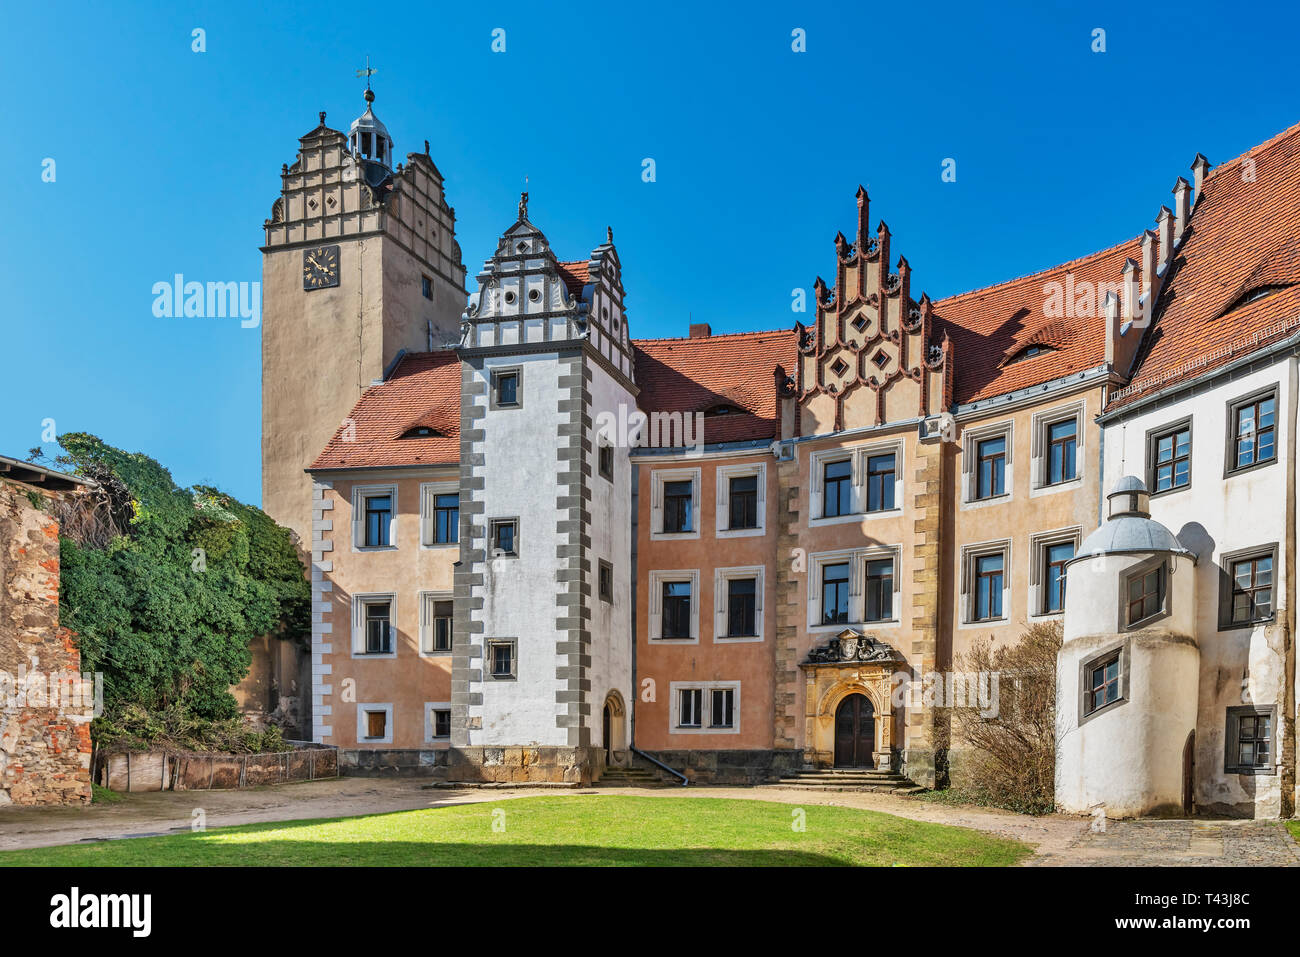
(1213, 516)
(1127, 759)
(520, 470)
(611, 539)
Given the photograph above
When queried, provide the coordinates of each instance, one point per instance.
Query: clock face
(320, 267)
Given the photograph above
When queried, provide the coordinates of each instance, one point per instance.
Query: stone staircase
(636, 776)
(848, 779)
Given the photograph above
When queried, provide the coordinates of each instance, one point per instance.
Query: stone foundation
(479, 765)
(732, 767)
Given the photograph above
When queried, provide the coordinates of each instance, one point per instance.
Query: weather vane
(367, 72)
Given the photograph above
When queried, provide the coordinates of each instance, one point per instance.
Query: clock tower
(360, 264)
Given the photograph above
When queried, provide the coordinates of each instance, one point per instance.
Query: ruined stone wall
(44, 745)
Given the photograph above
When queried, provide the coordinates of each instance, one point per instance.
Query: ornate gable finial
(322, 117)
(523, 206)
(426, 147)
(609, 235)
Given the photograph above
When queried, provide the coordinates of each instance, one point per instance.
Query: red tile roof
(697, 374)
(1244, 239)
(422, 392)
(990, 326)
(575, 276)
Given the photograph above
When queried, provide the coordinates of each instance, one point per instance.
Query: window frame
(489, 658)
(858, 457)
(1232, 739)
(1120, 653)
(657, 579)
(1230, 466)
(1141, 570)
(494, 388)
(971, 440)
(1227, 585)
(605, 450)
(722, 603)
(430, 492)
(1153, 438)
(364, 710)
(430, 722)
(659, 478)
(705, 690)
(429, 600)
(970, 555)
(360, 494)
(493, 525)
(605, 574)
(359, 603)
(1040, 545)
(722, 477)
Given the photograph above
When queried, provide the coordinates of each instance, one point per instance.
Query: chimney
(1200, 166)
(1182, 208)
(1129, 312)
(1165, 234)
(1148, 269)
(1110, 309)
(700, 330)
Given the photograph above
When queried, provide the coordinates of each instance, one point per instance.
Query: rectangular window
(1253, 431)
(991, 467)
(446, 518)
(1054, 559)
(378, 512)
(505, 537)
(1252, 589)
(605, 462)
(689, 701)
(837, 488)
(1170, 459)
(441, 721)
(1061, 445)
(989, 576)
(501, 658)
(835, 593)
(743, 498)
(676, 610)
(723, 705)
(741, 607)
(880, 590)
(377, 627)
(606, 581)
(426, 287)
(435, 630)
(376, 724)
(505, 389)
(880, 482)
(677, 507)
(1249, 740)
(1103, 683)
(1146, 593)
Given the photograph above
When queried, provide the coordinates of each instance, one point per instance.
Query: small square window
(1249, 741)
(507, 389)
(441, 721)
(605, 584)
(839, 367)
(505, 537)
(605, 462)
(376, 724)
(426, 287)
(501, 658)
(881, 359)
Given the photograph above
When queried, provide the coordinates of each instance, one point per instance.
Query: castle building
(542, 547)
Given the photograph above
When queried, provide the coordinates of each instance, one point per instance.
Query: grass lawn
(570, 830)
(1294, 828)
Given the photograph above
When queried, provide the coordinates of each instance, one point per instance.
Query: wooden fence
(168, 771)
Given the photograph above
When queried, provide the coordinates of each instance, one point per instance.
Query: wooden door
(855, 732)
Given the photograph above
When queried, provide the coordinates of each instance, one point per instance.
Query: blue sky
(168, 161)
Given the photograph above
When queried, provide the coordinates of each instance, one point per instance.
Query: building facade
(541, 546)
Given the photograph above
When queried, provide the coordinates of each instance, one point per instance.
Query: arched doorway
(606, 726)
(1189, 774)
(613, 730)
(855, 732)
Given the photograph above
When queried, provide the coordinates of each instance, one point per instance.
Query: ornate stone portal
(850, 663)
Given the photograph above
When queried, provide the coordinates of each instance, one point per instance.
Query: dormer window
(1029, 351)
(720, 410)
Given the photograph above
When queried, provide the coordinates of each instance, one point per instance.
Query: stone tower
(360, 263)
(543, 641)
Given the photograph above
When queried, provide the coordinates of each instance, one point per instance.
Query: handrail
(655, 761)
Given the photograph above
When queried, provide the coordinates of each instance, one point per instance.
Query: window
(505, 537)
(439, 514)
(1145, 594)
(1249, 740)
(676, 605)
(678, 499)
(507, 388)
(377, 519)
(1252, 431)
(1247, 593)
(743, 501)
(880, 482)
(441, 722)
(426, 287)
(1055, 557)
(374, 723)
(990, 572)
(991, 467)
(501, 657)
(880, 590)
(688, 707)
(1061, 442)
(741, 607)
(377, 627)
(835, 593)
(605, 462)
(1103, 683)
(837, 488)
(435, 624)
(722, 707)
(605, 581)
(1169, 458)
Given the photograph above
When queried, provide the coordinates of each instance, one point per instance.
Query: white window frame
(722, 516)
(359, 494)
(857, 455)
(362, 709)
(429, 708)
(721, 577)
(359, 603)
(967, 594)
(427, 601)
(1038, 545)
(706, 710)
(657, 580)
(658, 478)
(1038, 451)
(971, 438)
(857, 559)
(429, 491)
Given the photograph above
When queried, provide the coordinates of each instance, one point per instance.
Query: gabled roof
(697, 374)
(989, 327)
(1244, 238)
(422, 391)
